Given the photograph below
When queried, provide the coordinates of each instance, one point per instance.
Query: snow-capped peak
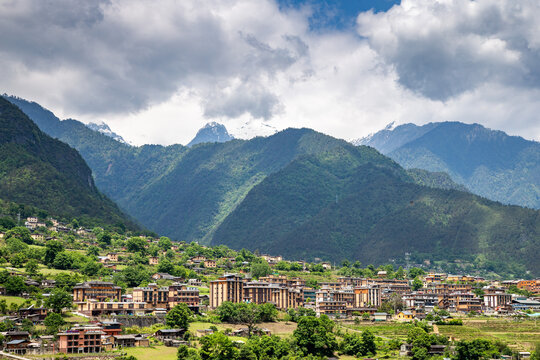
(106, 130)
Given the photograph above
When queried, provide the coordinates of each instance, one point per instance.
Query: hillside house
(153, 260)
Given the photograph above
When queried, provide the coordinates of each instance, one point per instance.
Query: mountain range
(39, 171)
(304, 195)
(489, 163)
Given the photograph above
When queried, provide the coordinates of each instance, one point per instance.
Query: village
(108, 315)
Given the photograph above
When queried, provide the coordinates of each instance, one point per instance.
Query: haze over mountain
(303, 194)
(211, 132)
(42, 172)
(488, 162)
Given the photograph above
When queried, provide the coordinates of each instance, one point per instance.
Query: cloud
(442, 48)
(157, 72)
(126, 56)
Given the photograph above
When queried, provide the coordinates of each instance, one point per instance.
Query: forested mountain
(39, 171)
(357, 204)
(489, 163)
(211, 132)
(303, 194)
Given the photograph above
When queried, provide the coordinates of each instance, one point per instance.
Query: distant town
(71, 290)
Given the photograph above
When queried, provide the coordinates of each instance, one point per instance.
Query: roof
(380, 313)
(16, 342)
(170, 331)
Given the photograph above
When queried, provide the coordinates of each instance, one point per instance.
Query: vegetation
(489, 163)
(41, 172)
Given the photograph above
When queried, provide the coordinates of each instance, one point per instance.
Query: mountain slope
(378, 215)
(43, 172)
(489, 163)
(211, 132)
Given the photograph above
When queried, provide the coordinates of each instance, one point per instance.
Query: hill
(39, 171)
(489, 163)
(357, 204)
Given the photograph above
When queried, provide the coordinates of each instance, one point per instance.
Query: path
(12, 356)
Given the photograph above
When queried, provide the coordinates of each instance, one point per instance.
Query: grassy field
(153, 353)
(12, 299)
(518, 334)
(385, 330)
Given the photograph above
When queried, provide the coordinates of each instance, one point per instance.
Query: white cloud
(157, 72)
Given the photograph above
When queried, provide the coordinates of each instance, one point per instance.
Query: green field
(12, 299)
(518, 334)
(153, 353)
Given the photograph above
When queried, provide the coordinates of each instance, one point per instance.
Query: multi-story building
(367, 296)
(529, 285)
(262, 292)
(97, 290)
(229, 287)
(283, 280)
(420, 300)
(152, 294)
(182, 293)
(494, 300)
(86, 339)
(98, 308)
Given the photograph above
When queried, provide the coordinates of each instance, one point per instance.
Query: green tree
(314, 337)
(178, 317)
(92, 251)
(135, 275)
(17, 260)
(52, 248)
(414, 272)
(165, 243)
(32, 267)
(53, 322)
(63, 261)
(21, 233)
(217, 347)
(368, 343)
(66, 281)
(186, 353)
(58, 300)
(417, 284)
(260, 269)
(91, 268)
(14, 285)
(136, 244)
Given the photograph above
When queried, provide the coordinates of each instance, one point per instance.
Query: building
(96, 290)
(497, 300)
(152, 294)
(229, 287)
(170, 334)
(153, 260)
(112, 256)
(530, 285)
(405, 316)
(182, 293)
(281, 296)
(84, 339)
(367, 296)
(99, 308)
(210, 264)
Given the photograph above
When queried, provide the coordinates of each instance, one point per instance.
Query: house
(17, 335)
(210, 263)
(382, 274)
(405, 316)
(111, 328)
(170, 334)
(380, 316)
(326, 266)
(112, 256)
(17, 346)
(153, 260)
(131, 340)
(48, 284)
(84, 339)
(37, 237)
(35, 314)
(165, 276)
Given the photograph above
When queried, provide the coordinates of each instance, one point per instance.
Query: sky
(157, 71)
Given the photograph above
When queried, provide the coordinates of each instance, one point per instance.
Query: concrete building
(96, 290)
(229, 287)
